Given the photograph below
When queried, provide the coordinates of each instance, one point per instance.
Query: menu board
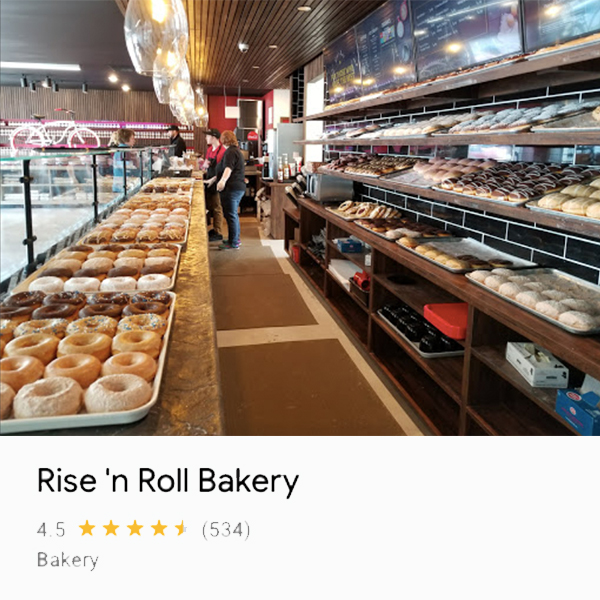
(455, 34)
(551, 22)
(342, 68)
(385, 48)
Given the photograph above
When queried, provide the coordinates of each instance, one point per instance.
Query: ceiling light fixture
(273, 47)
(113, 78)
(304, 8)
(47, 82)
(245, 80)
(27, 66)
(32, 86)
(54, 86)
(255, 67)
(125, 87)
(24, 82)
(84, 87)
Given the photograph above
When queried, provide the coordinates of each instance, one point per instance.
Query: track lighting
(84, 88)
(24, 82)
(54, 86)
(32, 86)
(47, 82)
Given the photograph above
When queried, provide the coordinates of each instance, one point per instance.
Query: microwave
(328, 188)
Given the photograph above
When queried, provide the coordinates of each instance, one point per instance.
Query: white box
(536, 365)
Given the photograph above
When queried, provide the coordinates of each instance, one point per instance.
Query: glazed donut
(2, 346)
(55, 327)
(7, 395)
(143, 322)
(162, 297)
(160, 261)
(131, 363)
(59, 272)
(96, 344)
(114, 393)
(95, 273)
(79, 248)
(16, 314)
(101, 310)
(104, 265)
(68, 263)
(82, 284)
(154, 282)
(147, 342)
(18, 371)
(39, 345)
(161, 252)
(132, 253)
(55, 311)
(48, 398)
(157, 269)
(102, 254)
(83, 368)
(123, 272)
(116, 248)
(47, 285)
(109, 298)
(96, 324)
(128, 261)
(185, 212)
(118, 284)
(143, 247)
(76, 299)
(165, 246)
(6, 329)
(144, 308)
(21, 299)
(73, 255)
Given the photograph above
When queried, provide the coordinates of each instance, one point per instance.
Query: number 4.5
(60, 530)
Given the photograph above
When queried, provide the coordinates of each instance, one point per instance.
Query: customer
(122, 138)
(232, 187)
(176, 140)
(214, 155)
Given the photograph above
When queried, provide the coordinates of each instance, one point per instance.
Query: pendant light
(180, 87)
(162, 84)
(156, 29)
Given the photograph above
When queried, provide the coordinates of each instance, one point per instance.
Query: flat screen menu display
(385, 48)
(456, 34)
(551, 22)
(342, 68)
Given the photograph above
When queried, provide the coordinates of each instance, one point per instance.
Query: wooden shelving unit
(476, 394)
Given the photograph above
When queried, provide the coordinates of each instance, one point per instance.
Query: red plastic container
(296, 254)
(450, 319)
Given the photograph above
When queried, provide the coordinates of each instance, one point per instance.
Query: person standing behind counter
(122, 138)
(176, 140)
(232, 187)
(214, 155)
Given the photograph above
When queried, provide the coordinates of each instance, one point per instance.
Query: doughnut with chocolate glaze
(143, 308)
(162, 297)
(82, 284)
(17, 314)
(115, 248)
(123, 272)
(34, 299)
(59, 272)
(157, 269)
(76, 299)
(55, 311)
(101, 310)
(80, 248)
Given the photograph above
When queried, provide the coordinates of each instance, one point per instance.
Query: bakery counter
(190, 397)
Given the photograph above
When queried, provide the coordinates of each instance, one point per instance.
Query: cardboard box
(538, 367)
(349, 245)
(581, 411)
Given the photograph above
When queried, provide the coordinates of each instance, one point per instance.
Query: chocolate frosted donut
(101, 310)
(110, 298)
(79, 248)
(89, 273)
(21, 313)
(34, 299)
(54, 311)
(56, 272)
(111, 248)
(77, 299)
(142, 308)
(154, 269)
(123, 272)
(162, 297)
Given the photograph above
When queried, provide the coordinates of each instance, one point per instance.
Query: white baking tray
(83, 419)
(409, 178)
(492, 200)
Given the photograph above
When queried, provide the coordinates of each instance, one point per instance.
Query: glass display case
(48, 200)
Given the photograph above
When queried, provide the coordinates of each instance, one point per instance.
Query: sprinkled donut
(115, 393)
(82, 284)
(96, 324)
(147, 342)
(83, 368)
(96, 344)
(55, 327)
(131, 363)
(48, 398)
(77, 299)
(39, 345)
(18, 371)
(162, 297)
(7, 328)
(154, 282)
(7, 395)
(47, 285)
(118, 284)
(35, 299)
(143, 322)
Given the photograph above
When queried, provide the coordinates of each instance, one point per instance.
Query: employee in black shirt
(176, 140)
(232, 187)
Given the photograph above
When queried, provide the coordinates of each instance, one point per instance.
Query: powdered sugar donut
(154, 282)
(48, 398)
(510, 289)
(48, 285)
(555, 295)
(529, 298)
(104, 265)
(7, 395)
(82, 284)
(129, 261)
(118, 284)
(115, 393)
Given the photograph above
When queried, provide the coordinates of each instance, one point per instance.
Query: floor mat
(299, 388)
(249, 260)
(256, 301)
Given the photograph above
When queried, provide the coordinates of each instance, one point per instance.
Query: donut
(18, 371)
(103, 254)
(123, 272)
(503, 272)
(479, 276)
(76, 299)
(510, 289)
(73, 255)
(68, 263)
(21, 299)
(80, 248)
(154, 282)
(103, 310)
(104, 265)
(109, 298)
(59, 272)
(115, 393)
(172, 233)
(128, 261)
(160, 261)
(162, 297)
(118, 284)
(132, 253)
(143, 322)
(578, 320)
(39, 345)
(16, 314)
(55, 311)
(115, 248)
(55, 327)
(47, 285)
(555, 295)
(147, 235)
(494, 281)
(6, 329)
(7, 395)
(48, 398)
(96, 344)
(143, 247)
(83, 368)
(165, 246)
(95, 273)
(147, 342)
(161, 252)
(131, 363)
(124, 235)
(82, 284)
(164, 269)
(143, 308)
(95, 324)
(577, 305)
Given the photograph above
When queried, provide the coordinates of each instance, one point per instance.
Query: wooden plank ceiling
(217, 26)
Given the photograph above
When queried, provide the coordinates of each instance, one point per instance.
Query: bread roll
(553, 201)
(593, 211)
(577, 206)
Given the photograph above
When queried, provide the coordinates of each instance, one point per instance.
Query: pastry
(529, 298)
(48, 398)
(550, 308)
(578, 320)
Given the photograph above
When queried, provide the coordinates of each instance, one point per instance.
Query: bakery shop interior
(300, 217)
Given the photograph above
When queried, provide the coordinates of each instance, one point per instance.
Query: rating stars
(158, 528)
(87, 528)
(134, 529)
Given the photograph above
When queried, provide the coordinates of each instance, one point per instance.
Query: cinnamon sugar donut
(95, 324)
(47, 285)
(143, 322)
(55, 327)
(131, 363)
(39, 345)
(96, 344)
(7, 395)
(48, 398)
(147, 342)
(115, 393)
(154, 282)
(83, 368)
(18, 371)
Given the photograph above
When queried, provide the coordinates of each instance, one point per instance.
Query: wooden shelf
(527, 72)
(348, 309)
(319, 261)
(292, 212)
(333, 278)
(357, 258)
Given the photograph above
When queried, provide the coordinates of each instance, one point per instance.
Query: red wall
(268, 102)
(216, 112)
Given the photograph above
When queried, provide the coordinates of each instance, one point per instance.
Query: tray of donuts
(107, 268)
(575, 202)
(462, 255)
(99, 363)
(163, 185)
(557, 297)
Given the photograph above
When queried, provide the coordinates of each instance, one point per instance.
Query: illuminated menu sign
(550, 22)
(454, 34)
(385, 48)
(342, 68)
